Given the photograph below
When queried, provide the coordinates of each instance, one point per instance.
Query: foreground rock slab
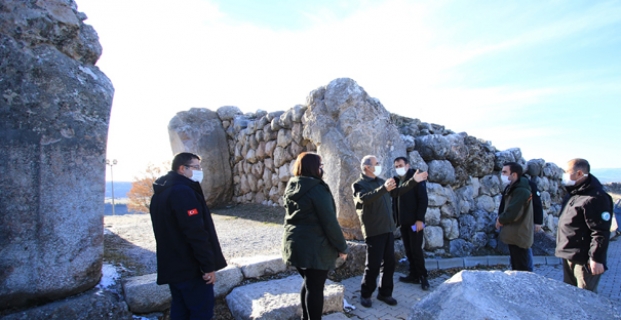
(279, 299)
(511, 295)
(93, 304)
(143, 295)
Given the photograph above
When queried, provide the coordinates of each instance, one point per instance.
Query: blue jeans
(191, 300)
(529, 261)
(519, 258)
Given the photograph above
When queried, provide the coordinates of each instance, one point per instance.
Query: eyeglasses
(192, 166)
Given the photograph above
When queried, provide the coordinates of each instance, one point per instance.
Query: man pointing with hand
(372, 197)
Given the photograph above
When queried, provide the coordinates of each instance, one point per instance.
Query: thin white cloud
(164, 57)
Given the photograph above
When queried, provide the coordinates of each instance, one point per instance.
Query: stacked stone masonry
(464, 184)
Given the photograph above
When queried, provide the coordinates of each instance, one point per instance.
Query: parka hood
(300, 185)
(171, 179)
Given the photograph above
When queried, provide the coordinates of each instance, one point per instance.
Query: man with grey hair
(372, 197)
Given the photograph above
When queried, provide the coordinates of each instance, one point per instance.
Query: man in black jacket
(583, 227)
(409, 212)
(188, 250)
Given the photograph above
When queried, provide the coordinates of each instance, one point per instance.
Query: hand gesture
(343, 256)
(210, 278)
(390, 184)
(420, 176)
(596, 267)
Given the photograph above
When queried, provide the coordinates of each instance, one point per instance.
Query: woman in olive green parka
(312, 239)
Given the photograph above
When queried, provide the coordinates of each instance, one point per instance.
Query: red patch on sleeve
(192, 212)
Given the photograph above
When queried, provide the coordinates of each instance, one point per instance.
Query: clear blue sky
(544, 76)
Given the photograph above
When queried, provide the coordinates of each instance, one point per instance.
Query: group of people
(189, 253)
(313, 239)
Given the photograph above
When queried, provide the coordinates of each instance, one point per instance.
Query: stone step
(279, 299)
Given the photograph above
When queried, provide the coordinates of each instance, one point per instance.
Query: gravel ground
(243, 230)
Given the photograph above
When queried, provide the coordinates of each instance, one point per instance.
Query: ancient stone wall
(54, 113)
(343, 124)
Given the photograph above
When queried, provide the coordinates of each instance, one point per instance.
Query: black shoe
(388, 300)
(410, 279)
(366, 302)
(424, 284)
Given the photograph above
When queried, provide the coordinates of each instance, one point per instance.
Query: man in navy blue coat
(188, 250)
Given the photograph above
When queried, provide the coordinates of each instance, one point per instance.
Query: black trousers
(413, 243)
(311, 293)
(519, 258)
(380, 260)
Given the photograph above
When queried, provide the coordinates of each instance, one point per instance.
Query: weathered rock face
(200, 131)
(511, 295)
(54, 115)
(346, 124)
(279, 299)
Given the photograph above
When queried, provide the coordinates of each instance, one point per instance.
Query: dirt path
(244, 230)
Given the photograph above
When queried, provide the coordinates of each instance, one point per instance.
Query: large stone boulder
(279, 299)
(200, 131)
(450, 147)
(54, 114)
(511, 295)
(346, 124)
(144, 295)
(96, 303)
(480, 161)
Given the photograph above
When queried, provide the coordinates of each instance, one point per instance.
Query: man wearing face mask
(188, 250)
(409, 210)
(372, 197)
(516, 219)
(537, 214)
(583, 227)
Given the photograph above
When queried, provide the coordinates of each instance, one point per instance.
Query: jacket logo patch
(606, 216)
(192, 212)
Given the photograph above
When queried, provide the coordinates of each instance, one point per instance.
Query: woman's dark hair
(308, 165)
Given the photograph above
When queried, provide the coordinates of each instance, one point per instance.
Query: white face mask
(197, 175)
(567, 180)
(504, 179)
(401, 171)
(378, 170)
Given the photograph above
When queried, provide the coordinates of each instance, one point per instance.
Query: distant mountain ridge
(121, 188)
(606, 175)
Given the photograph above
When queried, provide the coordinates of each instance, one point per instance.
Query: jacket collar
(367, 178)
(591, 182)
